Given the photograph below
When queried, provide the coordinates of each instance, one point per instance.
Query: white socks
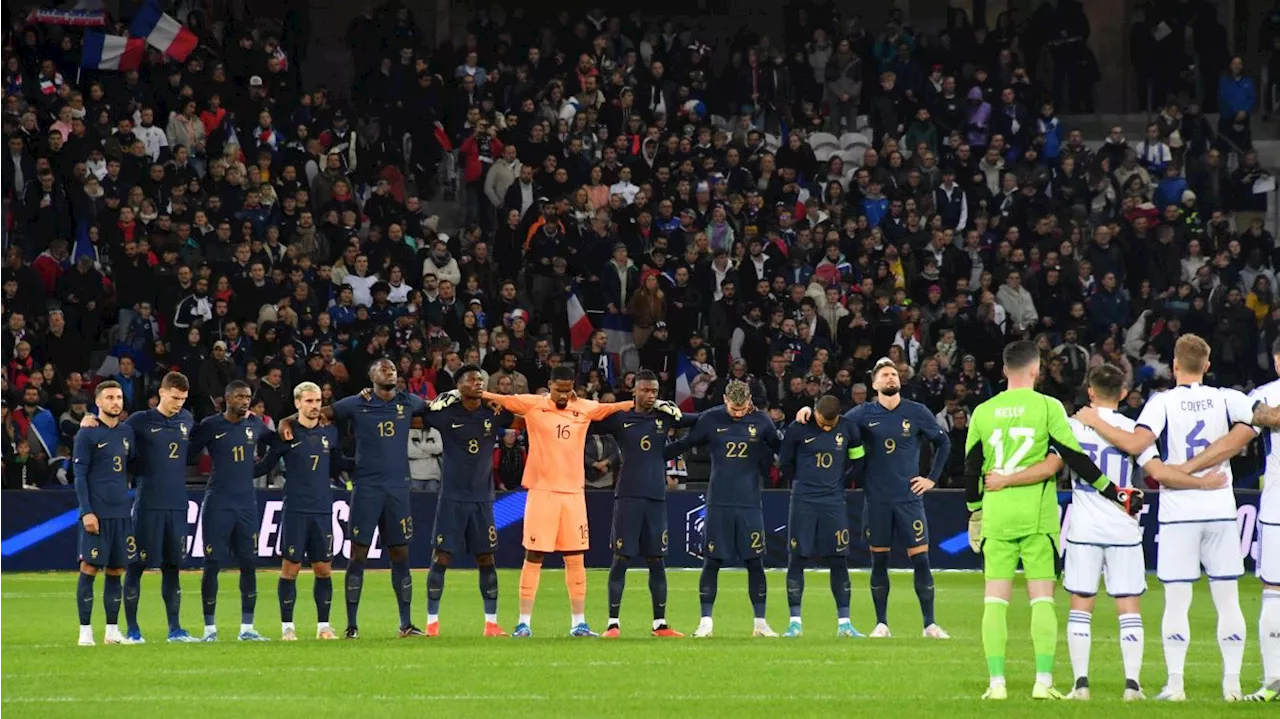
(287, 627)
(210, 629)
(760, 623)
(1132, 638)
(433, 618)
(1079, 641)
(246, 628)
(659, 623)
(525, 618)
(796, 620)
(491, 618)
(1269, 634)
(1175, 628)
(1231, 630)
(576, 619)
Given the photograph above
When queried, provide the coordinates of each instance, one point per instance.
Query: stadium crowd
(222, 218)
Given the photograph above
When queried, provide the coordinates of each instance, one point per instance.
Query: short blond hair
(305, 387)
(1192, 354)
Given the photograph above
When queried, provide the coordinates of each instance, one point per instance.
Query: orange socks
(530, 573)
(575, 576)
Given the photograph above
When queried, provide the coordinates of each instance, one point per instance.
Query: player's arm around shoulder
(598, 410)
(693, 438)
(515, 403)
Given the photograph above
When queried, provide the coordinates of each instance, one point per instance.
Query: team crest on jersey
(906, 428)
(839, 440)
(488, 427)
(399, 411)
(126, 446)
(248, 433)
(324, 442)
(183, 427)
(657, 423)
(751, 430)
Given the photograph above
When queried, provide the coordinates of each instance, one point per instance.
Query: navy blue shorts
(386, 509)
(161, 535)
(112, 547)
(819, 531)
(230, 534)
(639, 527)
(465, 528)
(309, 535)
(882, 523)
(734, 532)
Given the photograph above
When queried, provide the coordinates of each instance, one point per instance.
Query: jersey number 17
(1021, 440)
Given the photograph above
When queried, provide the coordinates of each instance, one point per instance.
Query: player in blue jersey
(306, 530)
(464, 509)
(891, 430)
(742, 442)
(160, 507)
(229, 515)
(99, 461)
(380, 498)
(640, 503)
(814, 460)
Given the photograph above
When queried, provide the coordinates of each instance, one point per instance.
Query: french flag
(112, 52)
(686, 373)
(580, 328)
(163, 32)
(618, 329)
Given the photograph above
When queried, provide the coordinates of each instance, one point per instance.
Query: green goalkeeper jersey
(1010, 432)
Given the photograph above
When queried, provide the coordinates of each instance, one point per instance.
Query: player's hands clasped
(444, 400)
(920, 485)
(669, 408)
(975, 531)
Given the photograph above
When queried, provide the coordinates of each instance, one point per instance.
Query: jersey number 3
(1021, 440)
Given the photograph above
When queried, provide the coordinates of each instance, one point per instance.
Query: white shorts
(1124, 567)
(1186, 547)
(1269, 553)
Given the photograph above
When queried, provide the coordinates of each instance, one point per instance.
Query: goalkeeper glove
(668, 407)
(1130, 500)
(444, 400)
(975, 532)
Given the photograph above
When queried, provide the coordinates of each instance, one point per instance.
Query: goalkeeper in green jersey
(1012, 435)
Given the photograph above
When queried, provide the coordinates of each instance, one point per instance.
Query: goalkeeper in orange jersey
(555, 518)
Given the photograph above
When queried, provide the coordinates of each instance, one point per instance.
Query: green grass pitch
(463, 674)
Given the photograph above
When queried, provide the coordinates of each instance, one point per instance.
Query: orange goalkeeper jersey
(557, 438)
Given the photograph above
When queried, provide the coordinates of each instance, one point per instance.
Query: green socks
(995, 634)
(1044, 633)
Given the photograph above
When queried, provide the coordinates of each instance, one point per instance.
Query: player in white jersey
(1197, 526)
(1104, 541)
(1268, 568)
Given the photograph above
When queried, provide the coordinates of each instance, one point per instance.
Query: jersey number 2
(1021, 439)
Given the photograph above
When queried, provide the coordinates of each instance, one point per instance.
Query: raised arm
(604, 410)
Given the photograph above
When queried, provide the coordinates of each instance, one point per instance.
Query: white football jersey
(1186, 420)
(1094, 518)
(1269, 510)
